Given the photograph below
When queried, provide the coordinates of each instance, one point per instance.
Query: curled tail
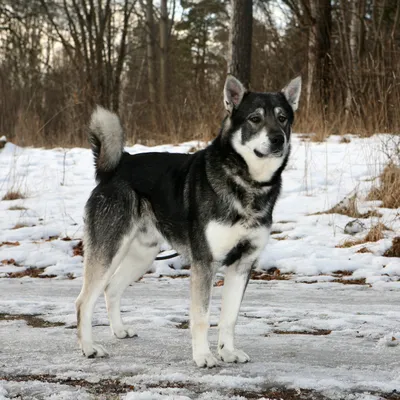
(107, 141)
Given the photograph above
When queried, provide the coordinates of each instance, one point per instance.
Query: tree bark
(163, 52)
(239, 63)
(151, 76)
(323, 67)
(319, 46)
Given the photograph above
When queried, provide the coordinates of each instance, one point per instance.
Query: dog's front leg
(201, 286)
(235, 283)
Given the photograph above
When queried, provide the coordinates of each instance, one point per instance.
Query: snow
(358, 359)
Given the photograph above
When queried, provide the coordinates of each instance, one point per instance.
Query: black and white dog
(214, 207)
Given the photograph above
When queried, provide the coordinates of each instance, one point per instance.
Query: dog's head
(259, 124)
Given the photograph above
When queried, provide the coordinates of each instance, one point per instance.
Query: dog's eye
(256, 119)
(282, 118)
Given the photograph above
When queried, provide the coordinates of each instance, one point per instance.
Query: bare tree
(93, 50)
(151, 74)
(240, 40)
(163, 52)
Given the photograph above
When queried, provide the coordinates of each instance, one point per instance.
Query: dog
(214, 207)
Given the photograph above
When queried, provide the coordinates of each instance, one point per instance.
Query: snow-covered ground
(356, 328)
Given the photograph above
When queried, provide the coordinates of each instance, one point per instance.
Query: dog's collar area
(163, 256)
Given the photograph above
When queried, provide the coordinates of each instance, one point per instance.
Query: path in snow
(353, 358)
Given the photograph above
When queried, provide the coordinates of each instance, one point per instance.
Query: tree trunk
(353, 66)
(151, 76)
(312, 50)
(319, 58)
(163, 52)
(323, 67)
(239, 63)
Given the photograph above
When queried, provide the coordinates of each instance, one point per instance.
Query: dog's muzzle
(274, 148)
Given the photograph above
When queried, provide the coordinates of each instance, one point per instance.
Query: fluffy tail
(107, 140)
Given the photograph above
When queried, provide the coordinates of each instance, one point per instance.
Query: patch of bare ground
(183, 325)
(74, 326)
(345, 139)
(219, 283)
(388, 190)
(271, 394)
(186, 325)
(13, 195)
(318, 332)
(78, 249)
(271, 274)
(373, 235)
(175, 276)
(394, 250)
(31, 320)
(298, 394)
(9, 244)
(360, 281)
(108, 387)
(341, 272)
(31, 272)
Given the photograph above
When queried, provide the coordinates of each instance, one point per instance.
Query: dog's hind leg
(235, 283)
(135, 264)
(201, 285)
(97, 273)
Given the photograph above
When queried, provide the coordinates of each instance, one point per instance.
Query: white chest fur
(222, 238)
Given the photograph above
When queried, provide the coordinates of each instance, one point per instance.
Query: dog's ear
(292, 92)
(233, 93)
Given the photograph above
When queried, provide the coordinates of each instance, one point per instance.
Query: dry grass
(272, 274)
(9, 261)
(13, 195)
(394, 250)
(364, 250)
(348, 206)
(17, 208)
(21, 225)
(281, 237)
(373, 235)
(388, 190)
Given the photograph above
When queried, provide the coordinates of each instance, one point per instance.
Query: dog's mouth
(260, 154)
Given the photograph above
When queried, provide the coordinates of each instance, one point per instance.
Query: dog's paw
(125, 332)
(205, 360)
(92, 350)
(235, 356)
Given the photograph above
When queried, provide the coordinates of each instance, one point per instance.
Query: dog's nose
(277, 140)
